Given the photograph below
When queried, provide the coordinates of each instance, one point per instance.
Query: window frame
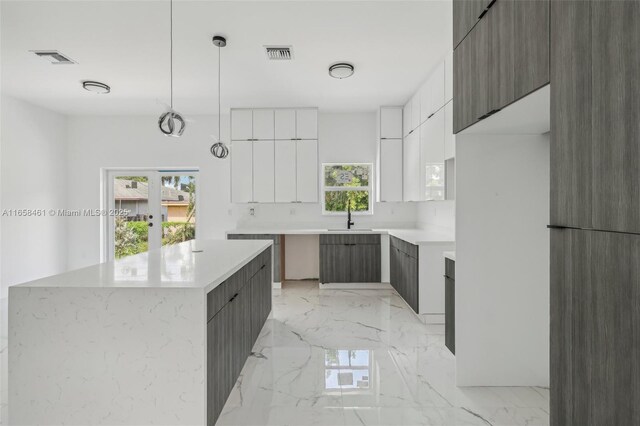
(369, 188)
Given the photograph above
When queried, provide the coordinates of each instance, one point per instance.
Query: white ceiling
(392, 44)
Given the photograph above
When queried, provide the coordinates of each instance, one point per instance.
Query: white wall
(302, 257)
(33, 176)
(437, 214)
(97, 142)
(502, 260)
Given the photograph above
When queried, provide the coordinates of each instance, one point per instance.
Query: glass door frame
(154, 177)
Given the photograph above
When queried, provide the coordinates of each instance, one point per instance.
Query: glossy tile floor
(361, 357)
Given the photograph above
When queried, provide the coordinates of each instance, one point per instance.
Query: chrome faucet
(349, 221)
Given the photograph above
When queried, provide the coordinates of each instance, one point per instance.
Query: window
(347, 183)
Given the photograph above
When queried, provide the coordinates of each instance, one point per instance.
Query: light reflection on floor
(361, 357)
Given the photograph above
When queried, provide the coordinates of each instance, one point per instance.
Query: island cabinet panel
(276, 249)
(233, 328)
(403, 259)
(350, 258)
(450, 305)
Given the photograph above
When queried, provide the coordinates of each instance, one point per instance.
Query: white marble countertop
(416, 236)
(197, 264)
(450, 255)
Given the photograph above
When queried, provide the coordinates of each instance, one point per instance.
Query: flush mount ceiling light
(96, 87)
(341, 70)
(219, 149)
(171, 123)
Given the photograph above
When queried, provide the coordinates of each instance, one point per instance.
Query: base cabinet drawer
(234, 327)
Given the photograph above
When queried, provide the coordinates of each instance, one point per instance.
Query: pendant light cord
(219, 108)
(171, 50)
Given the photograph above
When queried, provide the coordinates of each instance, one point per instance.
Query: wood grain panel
(571, 100)
(616, 109)
(531, 45)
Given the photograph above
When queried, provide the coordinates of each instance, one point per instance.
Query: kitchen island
(155, 338)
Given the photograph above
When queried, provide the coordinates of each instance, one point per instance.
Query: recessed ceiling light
(341, 70)
(96, 87)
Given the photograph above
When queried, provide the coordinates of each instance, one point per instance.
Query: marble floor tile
(361, 357)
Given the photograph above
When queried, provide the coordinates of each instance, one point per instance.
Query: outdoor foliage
(126, 239)
(132, 237)
(356, 176)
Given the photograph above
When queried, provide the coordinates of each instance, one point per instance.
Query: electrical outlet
(252, 211)
(292, 212)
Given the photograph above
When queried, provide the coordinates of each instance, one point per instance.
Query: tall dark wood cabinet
(595, 153)
(571, 121)
(615, 69)
(595, 317)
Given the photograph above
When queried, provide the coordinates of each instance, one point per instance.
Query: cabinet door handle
(484, 12)
(262, 267)
(431, 115)
(234, 296)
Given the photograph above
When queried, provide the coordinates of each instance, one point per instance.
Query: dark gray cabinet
(531, 42)
(236, 311)
(615, 114)
(276, 238)
(403, 268)
(350, 258)
(571, 121)
(504, 57)
(595, 328)
(466, 14)
(595, 273)
(450, 305)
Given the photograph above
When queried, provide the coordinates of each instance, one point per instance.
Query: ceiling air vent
(279, 53)
(54, 57)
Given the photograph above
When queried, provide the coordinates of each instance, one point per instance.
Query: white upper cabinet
(432, 157)
(274, 155)
(448, 78)
(307, 123)
(391, 123)
(449, 137)
(241, 171)
(411, 167)
(285, 120)
(390, 170)
(241, 124)
(307, 171)
(285, 171)
(406, 118)
(263, 124)
(425, 100)
(415, 111)
(437, 85)
(263, 171)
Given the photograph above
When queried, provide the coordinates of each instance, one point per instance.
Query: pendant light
(171, 123)
(219, 149)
